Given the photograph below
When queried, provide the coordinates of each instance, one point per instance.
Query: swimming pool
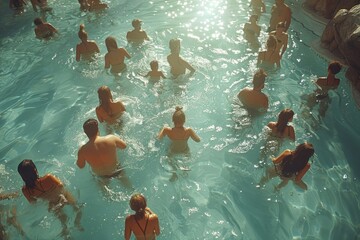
(47, 95)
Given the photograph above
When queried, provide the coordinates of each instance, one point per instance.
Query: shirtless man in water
(100, 153)
(254, 99)
(280, 12)
(44, 30)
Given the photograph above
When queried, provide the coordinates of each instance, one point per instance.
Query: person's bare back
(253, 99)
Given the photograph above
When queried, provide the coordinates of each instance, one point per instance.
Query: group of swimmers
(100, 152)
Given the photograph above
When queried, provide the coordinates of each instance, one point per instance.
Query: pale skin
(115, 58)
(45, 30)
(117, 109)
(178, 65)
(282, 38)
(272, 173)
(86, 50)
(280, 12)
(288, 132)
(254, 99)
(152, 228)
(100, 153)
(270, 56)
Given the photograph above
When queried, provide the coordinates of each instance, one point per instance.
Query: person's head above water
(284, 117)
(136, 23)
(254, 18)
(82, 33)
(138, 204)
(334, 67)
(259, 78)
(110, 43)
(154, 65)
(38, 21)
(174, 45)
(28, 172)
(91, 128)
(104, 94)
(271, 43)
(178, 117)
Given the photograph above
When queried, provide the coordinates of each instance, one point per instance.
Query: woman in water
(108, 110)
(290, 165)
(50, 189)
(252, 31)
(270, 56)
(178, 65)
(87, 48)
(144, 223)
(281, 37)
(115, 56)
(281, 129)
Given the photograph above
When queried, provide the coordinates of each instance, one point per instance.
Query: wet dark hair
(178, 116)
(105, 98)
(138, 204)
(259, 77)
(254, 16)
(110, 43)
(154, 65)
(297, 160)
(271, 42)
(38, 21)
(28, 172)
(283, 119)
(82, 33)
(91, 127)
(335, 67)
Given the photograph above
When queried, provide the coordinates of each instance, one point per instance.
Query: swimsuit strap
(143, 230)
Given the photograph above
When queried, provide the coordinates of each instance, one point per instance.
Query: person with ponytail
(290, 165)
(115, 57)
(48, 188)
(87, 48)
(108, 111)
(281, 129)
(144, 223)
(178, 134)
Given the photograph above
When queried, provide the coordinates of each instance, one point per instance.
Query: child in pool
(50, 189)
(144, 223)
(290, 165)
(155, 74)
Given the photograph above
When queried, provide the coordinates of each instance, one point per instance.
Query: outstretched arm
(164, 132)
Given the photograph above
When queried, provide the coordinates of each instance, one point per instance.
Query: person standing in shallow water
(144, 223)
(281, 129)
(137, 35)
(108, 111)
(178, 65)
(44, 30)
(48, 188)
(87, 48)
(281, 38)
(115, 56)
(253, 99)
(280, 12)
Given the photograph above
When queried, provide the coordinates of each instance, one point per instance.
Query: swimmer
(108, 111)
(258, 7)
(281, 37)
(87, 48)
(330, 82)
(92, 5)
(41, 4)
(270, 56)
(252, 30)
(155, 74)
(17, 5)
(44, 30)
(254, 99)
(280, 12)
(137, 35)
(281, 129)
(100, 153)
(50, 189)
(115, 56)
(144, 223)
(290, 165)
(178, 65)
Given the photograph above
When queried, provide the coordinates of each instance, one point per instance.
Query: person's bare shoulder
(271, 125)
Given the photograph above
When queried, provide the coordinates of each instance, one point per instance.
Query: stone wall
(328, 8)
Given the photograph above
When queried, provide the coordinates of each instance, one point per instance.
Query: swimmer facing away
(179, 134)
(177, 64)
(144, 223)
(270, 56)
(330, 82)
(281, 129)
(50, 189)
(290, 165)
(137, 35)
(87, 48)
(44, 30)
(115, 56)
(108, 111)
(155, 74)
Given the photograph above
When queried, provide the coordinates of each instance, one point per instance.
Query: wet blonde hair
(138, 204)
(178, 116)
(105, 98)
(174, 45)
(110, 43)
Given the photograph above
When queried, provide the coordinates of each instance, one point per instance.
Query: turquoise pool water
(46, 96)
